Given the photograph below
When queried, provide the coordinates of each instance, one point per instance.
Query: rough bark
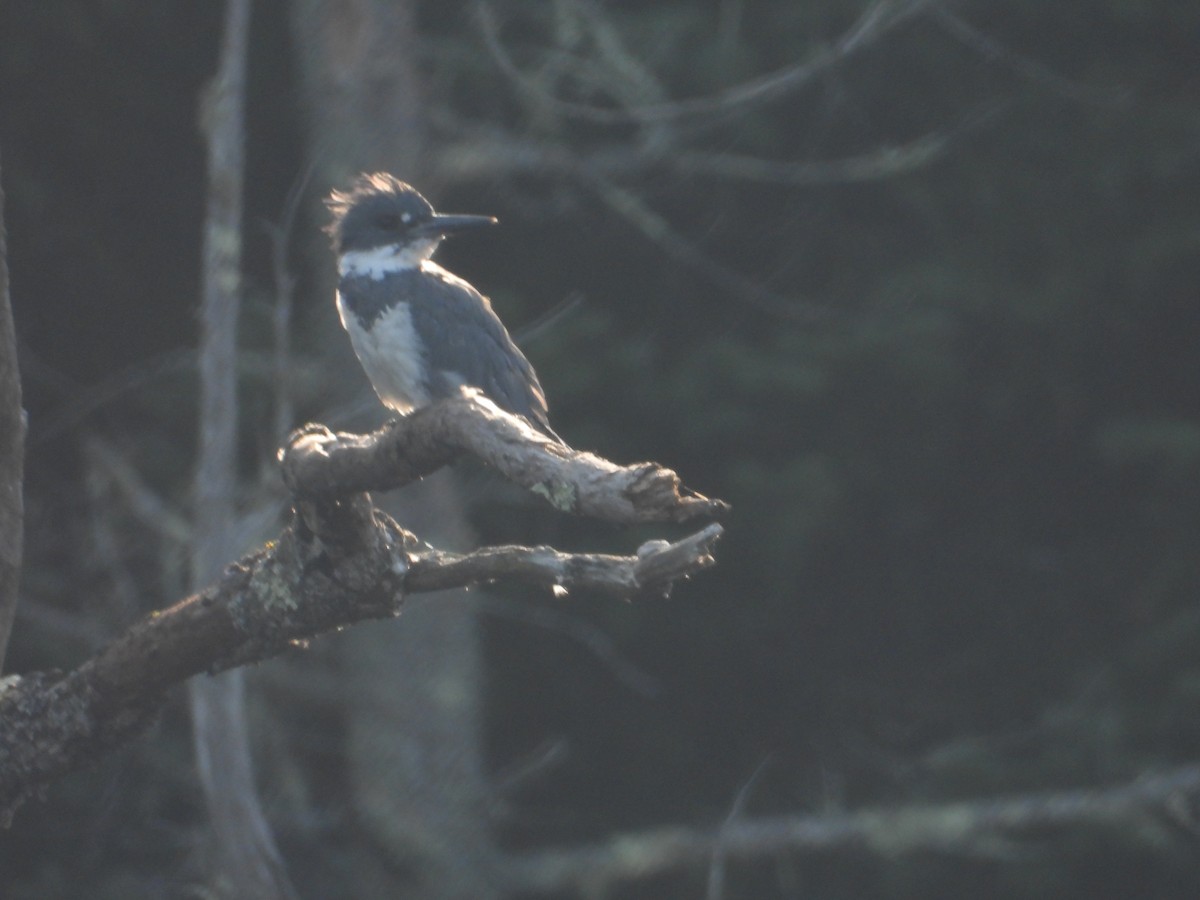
(569, 480)
(339, 561)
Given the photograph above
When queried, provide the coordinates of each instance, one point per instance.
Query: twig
(281, 314)
(616, 576)
(547, 755)
(531, 331)
(886, 162)
(479, 151)
(149, 507)
(81, 401)
(878, 20)
(716, 867)
(1140, 809)
(1030, 69)
(655, 227)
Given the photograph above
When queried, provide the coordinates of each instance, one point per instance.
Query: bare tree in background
(248, 862)
(415, 757)
(12, 455)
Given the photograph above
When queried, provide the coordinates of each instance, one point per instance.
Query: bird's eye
(388, 221)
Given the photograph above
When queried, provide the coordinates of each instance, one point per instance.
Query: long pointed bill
(441, 225)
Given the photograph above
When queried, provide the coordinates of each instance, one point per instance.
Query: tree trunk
(414, 742)
(247, 864)
(12, 456)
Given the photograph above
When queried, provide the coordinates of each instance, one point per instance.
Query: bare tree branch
(149, 507)
(886, 162)
(476, 151)
(879, 19)
(548, 320)
(653, 570)
(338, 562)
(264, 604)
(479, 151)
(12, 455)
(79, 401)
(590, 58)
(658, 229)
(1030, 69)
(1141, 810)
(318, 464)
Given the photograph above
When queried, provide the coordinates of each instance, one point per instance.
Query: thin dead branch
(886, 162)
(1141, 810)
(1024, 67)
(280, 236)
(878, 20)
(634, 210)
(653, 571)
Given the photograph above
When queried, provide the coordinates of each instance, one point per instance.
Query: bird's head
(381, 213)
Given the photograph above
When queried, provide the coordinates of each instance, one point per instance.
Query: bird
(421, 333)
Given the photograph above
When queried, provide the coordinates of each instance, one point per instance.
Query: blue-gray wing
(466, 344)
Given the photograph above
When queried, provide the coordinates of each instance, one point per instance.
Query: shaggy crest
(380, 185)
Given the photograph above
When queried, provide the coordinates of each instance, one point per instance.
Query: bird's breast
(390, 350)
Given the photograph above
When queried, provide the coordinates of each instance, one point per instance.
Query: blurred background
(914, 286)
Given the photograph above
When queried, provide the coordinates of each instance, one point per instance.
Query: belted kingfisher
(420, 332)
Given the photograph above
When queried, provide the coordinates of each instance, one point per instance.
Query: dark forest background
(942, 360)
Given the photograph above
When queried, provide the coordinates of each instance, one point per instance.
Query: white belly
(392, 355)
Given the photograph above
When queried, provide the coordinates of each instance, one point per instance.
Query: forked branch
(339, 561)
